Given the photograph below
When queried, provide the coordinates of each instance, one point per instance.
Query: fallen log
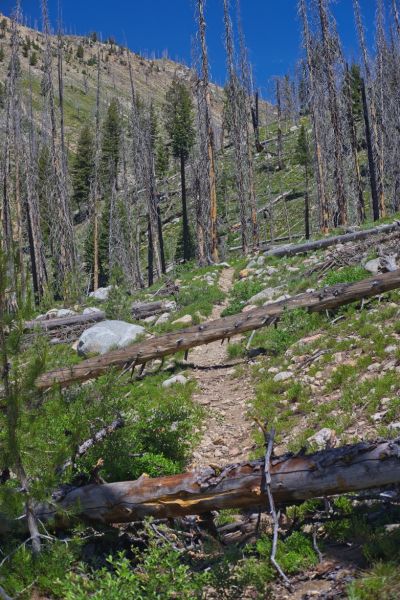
(50, 324)
(142, 310)
(293, 249)
(227, 327)
(293, 479)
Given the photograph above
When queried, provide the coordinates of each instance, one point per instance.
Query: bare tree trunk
(371, 106)
(293, 479)
(205, 82)
(185, 219)
(334, 115)
(370, 150)
(354, 148)
(281, 163)
(322, 196)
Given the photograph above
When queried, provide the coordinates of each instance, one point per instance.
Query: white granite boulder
(108, 335)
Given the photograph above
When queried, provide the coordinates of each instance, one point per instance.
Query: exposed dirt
(227, 432)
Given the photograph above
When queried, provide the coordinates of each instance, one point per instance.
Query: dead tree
(354, 146)
(281, 163)
(35, 237)
(370, 118)
(315, 117)
(329, 44)
(209, 150)
(237, 121)
(62, 231)
(293, 479)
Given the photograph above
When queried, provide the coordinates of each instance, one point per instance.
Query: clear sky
(151, 26)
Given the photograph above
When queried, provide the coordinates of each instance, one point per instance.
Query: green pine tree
(80, 53)
(179, 124)
(109, 159)
(33, 60)
(82, 168)
(1, 54)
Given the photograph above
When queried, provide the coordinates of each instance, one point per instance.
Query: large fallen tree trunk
(294, 479)
(142, 310)
(227, 327)
(50, 324)
(291, 250)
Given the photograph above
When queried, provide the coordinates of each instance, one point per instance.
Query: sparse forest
(199, 315)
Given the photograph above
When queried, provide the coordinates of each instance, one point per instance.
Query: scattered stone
(91, 310)
(271, 270)
(279, 299)
(170, 306)
(267, 294)
(150, 320)
(273, 370)
(162, 319)
(292, 269)
(103, 337)
(283, 376)
(185, 320)
(224, 265)
(177, 379)
(378, 416)
(390, 349)
(373, 266)
(101, 294)
(323, 437)
(394, 426)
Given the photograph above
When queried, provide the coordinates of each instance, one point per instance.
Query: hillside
(152, 78)
(200, 399)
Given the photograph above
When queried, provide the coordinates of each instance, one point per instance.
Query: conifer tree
(179, 123)
(110, 149)
(82, 168)
(1, 53)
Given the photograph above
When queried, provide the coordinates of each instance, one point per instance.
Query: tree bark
(294, 479)
(185, 219)
(332, 241)
(370, 151)
(50, 324)
(220, 329)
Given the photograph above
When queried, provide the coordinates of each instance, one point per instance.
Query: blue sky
(271, 28)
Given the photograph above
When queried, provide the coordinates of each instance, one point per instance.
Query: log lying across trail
(293, 249)
(50, 324)
(294, 479)
(227, 327)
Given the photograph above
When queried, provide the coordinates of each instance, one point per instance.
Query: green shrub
(345, 275)
(241, 292)
(159, 573)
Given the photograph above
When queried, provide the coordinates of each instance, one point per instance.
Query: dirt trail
(227, 432)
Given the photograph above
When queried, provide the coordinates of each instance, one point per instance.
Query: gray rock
(101, 294)
(185, 320)
(103, 337)
(394, 426)
(261, 261)
(150, 319)
(283, 376)
(267, 294)
(390, 349)
(91, 310)
(177, 379)
(162, 319)
(170, 306)
(373, 266)
(279, 299)
(323, 437)
(271, 270)
(252, 264)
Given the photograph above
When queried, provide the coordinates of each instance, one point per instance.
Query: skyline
(272, 30)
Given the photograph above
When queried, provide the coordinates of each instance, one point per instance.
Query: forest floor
(227, 430)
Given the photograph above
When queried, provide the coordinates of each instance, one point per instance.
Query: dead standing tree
(237, 117)
(62, 231)
(370, 118)
(316, 123)
(329, 49)
(207, 145)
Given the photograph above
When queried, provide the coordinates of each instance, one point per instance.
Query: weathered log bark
(50, 324)
(294, 479)
(142, 310)
(227, 327)
(332, 241)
